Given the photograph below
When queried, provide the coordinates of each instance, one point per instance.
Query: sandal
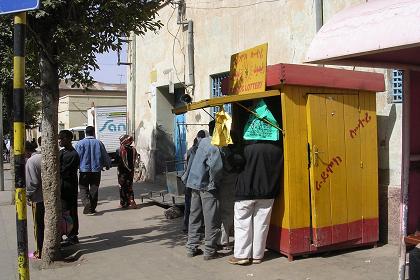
(34, 256)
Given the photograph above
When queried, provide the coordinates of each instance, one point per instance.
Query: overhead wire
(176, 39)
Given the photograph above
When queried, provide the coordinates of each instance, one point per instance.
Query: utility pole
(19, 144)
(19, 35)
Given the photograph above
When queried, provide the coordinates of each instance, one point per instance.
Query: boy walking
(69, 163)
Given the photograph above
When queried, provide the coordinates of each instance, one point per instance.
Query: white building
(162, 69)
(74, 102)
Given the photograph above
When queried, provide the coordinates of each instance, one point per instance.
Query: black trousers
(75, 218)
(89, 186)
(38, 213)
(69, 203)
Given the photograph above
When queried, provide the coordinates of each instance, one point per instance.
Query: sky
(109, 71)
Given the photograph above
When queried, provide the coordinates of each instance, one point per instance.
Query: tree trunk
(50, 160)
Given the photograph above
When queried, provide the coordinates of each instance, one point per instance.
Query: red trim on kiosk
(314, 76)
(279, 238)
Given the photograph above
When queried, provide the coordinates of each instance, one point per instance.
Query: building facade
(191, 54)
(74, 102)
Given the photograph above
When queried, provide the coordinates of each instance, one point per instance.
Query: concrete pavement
(142, 244)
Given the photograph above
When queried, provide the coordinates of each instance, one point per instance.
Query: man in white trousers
(257, 186)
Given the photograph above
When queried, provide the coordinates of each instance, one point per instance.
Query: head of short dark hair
(90, 130)
(212, 124)
(29, 147)
(201, 134)
(65, 134)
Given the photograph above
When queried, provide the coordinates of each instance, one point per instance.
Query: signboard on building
(248, 70)
(16, 6)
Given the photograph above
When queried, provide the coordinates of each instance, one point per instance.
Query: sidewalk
(142, 244)
(7, 195)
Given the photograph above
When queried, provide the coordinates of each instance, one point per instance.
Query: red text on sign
(335, 162)
(360, 124)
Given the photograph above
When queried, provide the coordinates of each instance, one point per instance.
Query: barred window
(397, 86)
(216, 91)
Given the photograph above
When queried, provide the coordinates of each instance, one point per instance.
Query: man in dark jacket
(69, 163)
(257, 186)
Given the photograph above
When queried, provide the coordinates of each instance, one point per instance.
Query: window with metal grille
(216, 90)
(397, 86)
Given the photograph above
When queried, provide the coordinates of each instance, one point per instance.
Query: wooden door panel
(320, 188)
(336, 167)
(353, 166)
(335, 175)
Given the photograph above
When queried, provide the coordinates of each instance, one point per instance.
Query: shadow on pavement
(166, 233)
(139, 206)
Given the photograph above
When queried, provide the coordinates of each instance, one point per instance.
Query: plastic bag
(221, 134)
(257, 129)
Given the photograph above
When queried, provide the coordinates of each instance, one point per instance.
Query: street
(142, 244)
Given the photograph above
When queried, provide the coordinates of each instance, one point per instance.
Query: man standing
(190, 158)
(203, 177)
(34, 195)
(93, 157)
(69, 163)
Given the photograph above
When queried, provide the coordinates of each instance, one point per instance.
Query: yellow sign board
(248, 70)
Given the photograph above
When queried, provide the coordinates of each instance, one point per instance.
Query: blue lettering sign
(112, 126)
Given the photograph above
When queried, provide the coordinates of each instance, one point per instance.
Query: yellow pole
(19, 145)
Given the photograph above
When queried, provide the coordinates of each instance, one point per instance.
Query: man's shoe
(212, 257)
(197, 252)
(87, 209)
(224, 247)
(234, 260)
(256, 261)
(91, 213)
(70, 241)
(73, 240)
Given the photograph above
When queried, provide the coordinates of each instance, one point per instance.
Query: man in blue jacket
(93, 158)
(203, 178)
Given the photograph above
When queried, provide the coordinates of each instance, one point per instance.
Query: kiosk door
(335, 168)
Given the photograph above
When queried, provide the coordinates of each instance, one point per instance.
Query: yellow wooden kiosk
(329, 195)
